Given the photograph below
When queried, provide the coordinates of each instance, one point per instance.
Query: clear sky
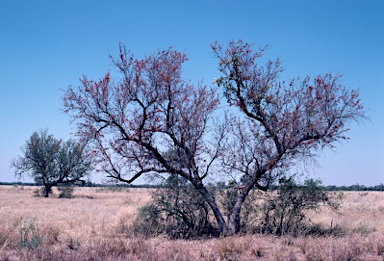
(45, 46)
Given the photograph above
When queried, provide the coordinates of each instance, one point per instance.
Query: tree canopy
(50, 161)
(135, 124)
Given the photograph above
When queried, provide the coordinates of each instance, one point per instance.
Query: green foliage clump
(66, 190)
(284, 210)
(51, 162)
(177, 209)
(149, 221)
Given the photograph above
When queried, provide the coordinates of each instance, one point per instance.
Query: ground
(94, 225)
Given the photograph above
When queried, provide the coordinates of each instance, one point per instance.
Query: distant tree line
(355, 187)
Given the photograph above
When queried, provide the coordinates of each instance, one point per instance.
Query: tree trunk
(46, 190)
(212, 203)
(233, 225)
(234, 218)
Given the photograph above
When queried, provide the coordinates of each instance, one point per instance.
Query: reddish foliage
(280, 124)
(149, 111)
(139, 124)
(284, 122)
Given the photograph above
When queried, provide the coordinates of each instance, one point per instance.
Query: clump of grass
(28, 233)
(49, 234)
(73, 243)
(380, 248)
(5, 232)
(128, 201)
(363, 229)
(230, 249)
(354, 247)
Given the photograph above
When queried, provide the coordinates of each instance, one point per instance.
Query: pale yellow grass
(92, 226)
(88, 215)
(360, 212)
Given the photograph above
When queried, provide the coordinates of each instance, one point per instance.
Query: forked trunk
(212, 204)
(233, 225)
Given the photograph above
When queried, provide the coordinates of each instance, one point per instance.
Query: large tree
(50, 161)
(134, 123)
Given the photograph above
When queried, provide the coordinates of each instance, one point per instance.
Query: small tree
(50, 161)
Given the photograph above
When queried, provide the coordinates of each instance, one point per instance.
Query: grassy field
(95, 225)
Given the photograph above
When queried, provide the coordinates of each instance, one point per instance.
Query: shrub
(66, 190)
(177, 210)
(149, 221)
(283, 212)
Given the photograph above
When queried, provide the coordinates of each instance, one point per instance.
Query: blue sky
(45, 46)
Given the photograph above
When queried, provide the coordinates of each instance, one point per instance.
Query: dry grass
(361, 212)
(94, 225)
